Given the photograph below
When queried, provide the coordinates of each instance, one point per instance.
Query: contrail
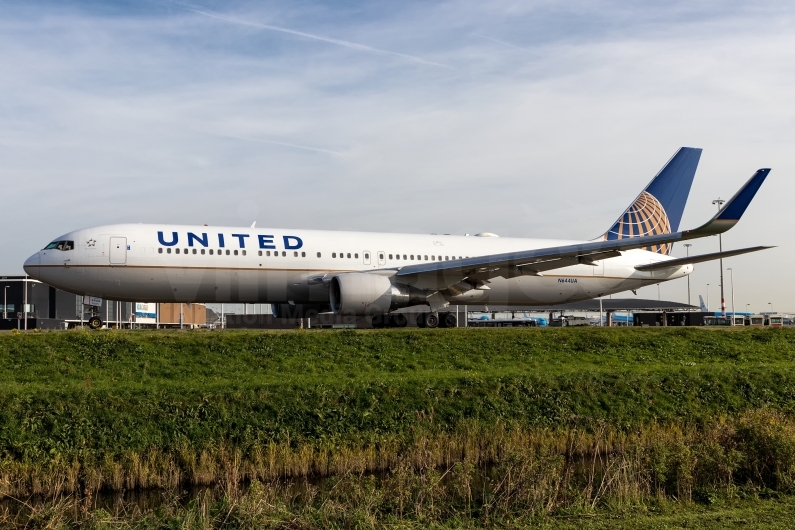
(338, 42)
(501, 42)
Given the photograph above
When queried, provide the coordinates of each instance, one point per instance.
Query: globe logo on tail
(646, 217)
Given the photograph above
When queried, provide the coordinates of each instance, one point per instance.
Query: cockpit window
(60, 245)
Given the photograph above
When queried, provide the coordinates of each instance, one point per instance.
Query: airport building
(30, 304)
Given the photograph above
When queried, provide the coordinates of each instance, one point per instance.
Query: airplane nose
(31, 265)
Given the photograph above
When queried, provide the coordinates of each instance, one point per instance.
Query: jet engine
(361, 293)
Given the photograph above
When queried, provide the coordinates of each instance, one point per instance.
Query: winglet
(728, 216)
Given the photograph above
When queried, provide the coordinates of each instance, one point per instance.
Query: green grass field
(685, 414)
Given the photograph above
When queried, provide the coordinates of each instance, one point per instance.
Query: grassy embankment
(569, 421)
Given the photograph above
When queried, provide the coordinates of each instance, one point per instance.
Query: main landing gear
(436, 320)
(424, 320)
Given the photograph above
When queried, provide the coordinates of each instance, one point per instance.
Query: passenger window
(202, 252)
(404, 256)
(390, 256)
(176, 250)
(426, 258)
(259, 253)
(211, 252)
(356, 255)
(397, 256)
(235, 252)
(284, 254)
(366, 255)
(227, 252)
(244, 252)
(381, 257)
(303, 254)
(194, 251)
(168, 251)
(295, 254)
(447, 258)
(268, 253)
(333, 254)
(412, 256)
(160, 251)
(349, 255)
(433, 258)
(318, 254)
(440, 258)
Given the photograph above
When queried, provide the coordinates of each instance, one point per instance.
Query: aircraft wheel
(398, 320)
(449, 320)
(95, 322)
(421, 320)
(378, 321)
(431, 320)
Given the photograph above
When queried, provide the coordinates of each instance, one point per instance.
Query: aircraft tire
(449, 320)
(421, 320)
(431, 320)
(398, 320)
(378, 321)
(94, 322)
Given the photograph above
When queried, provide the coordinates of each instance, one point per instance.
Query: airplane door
(118, 250)
(381, 257)
(366, 255)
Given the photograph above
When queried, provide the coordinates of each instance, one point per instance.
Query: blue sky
(531, 119)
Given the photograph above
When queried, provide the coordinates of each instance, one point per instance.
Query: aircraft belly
(542, 290)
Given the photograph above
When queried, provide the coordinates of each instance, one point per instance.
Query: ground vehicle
(564, 321)
(717, 321)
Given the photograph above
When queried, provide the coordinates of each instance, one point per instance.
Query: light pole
(687, 249)
(707, 298)
(747, 310)
(25, 304)
(720, 202)
(5, 302)
(771, 307)
(731, 279)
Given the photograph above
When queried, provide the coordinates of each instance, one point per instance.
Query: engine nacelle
(361, 293)
(298, 310)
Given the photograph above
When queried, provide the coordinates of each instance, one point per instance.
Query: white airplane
(373, 274)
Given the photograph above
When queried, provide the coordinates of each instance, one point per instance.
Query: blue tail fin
(658, 209)
(704, 307)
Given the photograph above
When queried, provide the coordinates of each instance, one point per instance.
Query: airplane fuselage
(157, 263)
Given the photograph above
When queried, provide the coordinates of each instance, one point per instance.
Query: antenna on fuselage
(253, 224)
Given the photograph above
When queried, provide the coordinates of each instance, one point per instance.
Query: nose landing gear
(94, 321)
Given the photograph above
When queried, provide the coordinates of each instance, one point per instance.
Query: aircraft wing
(532, 262)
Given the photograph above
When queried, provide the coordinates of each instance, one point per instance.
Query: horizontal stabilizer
(667, 264)
(728, 216)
